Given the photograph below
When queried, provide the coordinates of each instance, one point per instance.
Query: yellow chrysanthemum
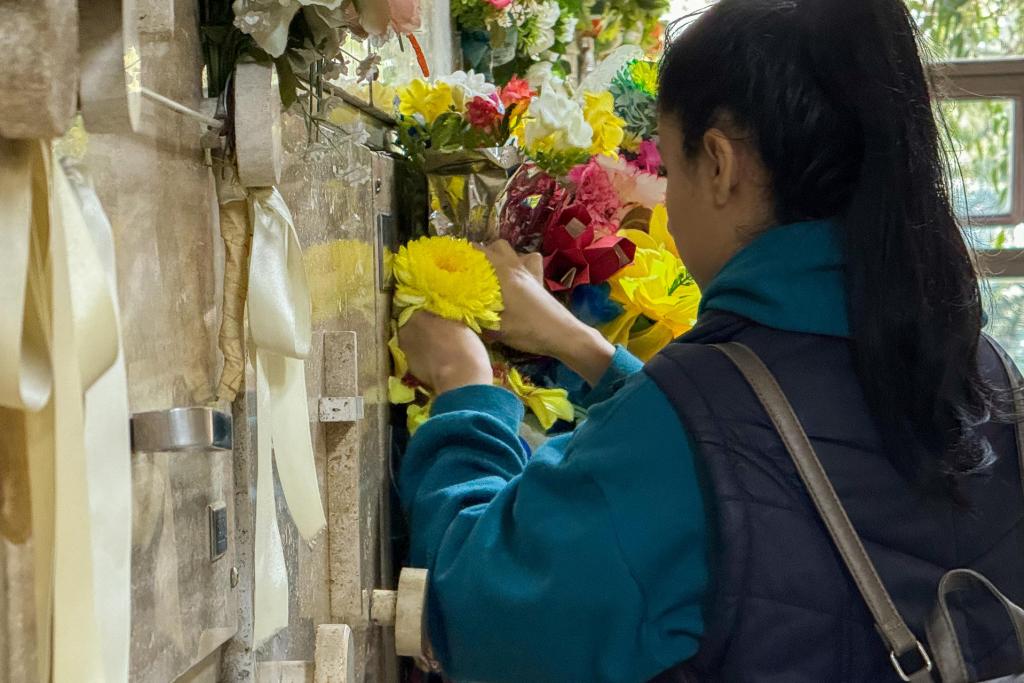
(644, 75)
(599, 112)
(658, 287)
(549, 405)
(447, 277)
(429, 100)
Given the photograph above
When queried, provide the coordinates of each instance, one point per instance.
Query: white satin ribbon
(108, 447)
(281, 330)
(58, 337)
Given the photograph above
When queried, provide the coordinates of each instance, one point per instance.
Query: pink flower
(648, 158)
(631, 185)
(595, 191)
(533, 199)
(499, 4)
(483, 113)
(515, 91)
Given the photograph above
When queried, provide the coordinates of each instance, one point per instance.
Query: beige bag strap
(941, 631)
(942, 636)
(897, 635)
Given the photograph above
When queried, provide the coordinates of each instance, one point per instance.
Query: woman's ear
(723, 165)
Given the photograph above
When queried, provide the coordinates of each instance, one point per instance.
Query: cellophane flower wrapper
(465, 189)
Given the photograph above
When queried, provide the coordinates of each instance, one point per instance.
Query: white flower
(567, 29)
(541, 77)
(466, 86)
(554, 114)
(266, 21)
(547, 18)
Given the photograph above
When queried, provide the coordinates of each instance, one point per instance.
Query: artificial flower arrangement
(589, 198)
(504, 38)
(462, 111)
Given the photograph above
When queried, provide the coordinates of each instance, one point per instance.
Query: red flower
(499, 4)
(533, 200)
(515, 91)
(575, 256)
(482, 113)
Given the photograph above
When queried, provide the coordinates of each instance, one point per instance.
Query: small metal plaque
(218, 531)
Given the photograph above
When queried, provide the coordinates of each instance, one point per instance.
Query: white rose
(547, 18)
(553, 113)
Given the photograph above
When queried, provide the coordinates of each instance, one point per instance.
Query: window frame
(1001, 78)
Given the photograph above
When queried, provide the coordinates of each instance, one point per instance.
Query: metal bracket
(341, 409)
(181, 429)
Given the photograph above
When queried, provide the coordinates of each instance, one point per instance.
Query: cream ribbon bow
(59, 336)
(280, 323)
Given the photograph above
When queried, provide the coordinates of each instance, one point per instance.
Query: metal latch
(181, 429)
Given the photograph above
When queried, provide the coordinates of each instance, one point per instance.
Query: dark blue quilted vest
(784, 608)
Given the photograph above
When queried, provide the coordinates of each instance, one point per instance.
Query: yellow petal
(400, 393)
(659, 230)
(648, 343)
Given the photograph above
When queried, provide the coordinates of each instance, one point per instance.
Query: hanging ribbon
(276, 294)
(61, 380)
(108, 448)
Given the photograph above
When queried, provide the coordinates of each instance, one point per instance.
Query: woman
(669, 535)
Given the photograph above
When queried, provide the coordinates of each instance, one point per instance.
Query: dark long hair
(834, 96)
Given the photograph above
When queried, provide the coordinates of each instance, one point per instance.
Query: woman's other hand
(535, 322)
(444, 354)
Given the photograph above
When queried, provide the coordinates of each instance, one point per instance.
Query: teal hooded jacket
(588, 560)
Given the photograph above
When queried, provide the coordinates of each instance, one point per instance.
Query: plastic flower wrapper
(599, 113)
(530, 202)
(448, 277)
(574, 255)
(465, 187)
(659, 299)
(634, 89)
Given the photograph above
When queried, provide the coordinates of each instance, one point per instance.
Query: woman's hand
(444, 354)
(535, 322)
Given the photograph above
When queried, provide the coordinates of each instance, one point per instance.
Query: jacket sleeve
(586, 562)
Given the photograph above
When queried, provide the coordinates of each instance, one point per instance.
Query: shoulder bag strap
(890, 624)
(940, 628)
